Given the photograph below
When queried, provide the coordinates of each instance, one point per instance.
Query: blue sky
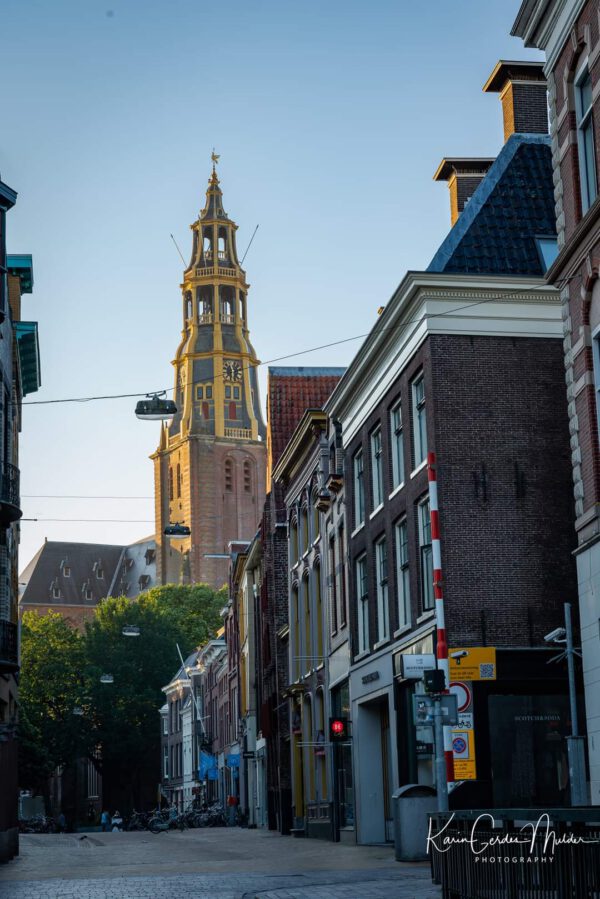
(330, 120)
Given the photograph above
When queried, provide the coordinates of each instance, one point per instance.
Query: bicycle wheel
(155, 825)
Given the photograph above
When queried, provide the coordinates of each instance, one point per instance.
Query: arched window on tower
(188, 304)
(228, 475)
(178, 480)
(222, 244)
(205, 304)
(226, 296)
(170, 483)
(242, 306)
(207, 244)
(247, 476)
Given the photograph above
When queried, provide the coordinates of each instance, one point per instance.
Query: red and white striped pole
(442, 645)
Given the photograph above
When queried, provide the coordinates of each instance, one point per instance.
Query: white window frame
(588, 178)
(419, 411)
(377, 466)
(397, 444)
(383, 607)
(358, 475)
(425, 555)
(362, 603)
(165, 762)
(403, 572)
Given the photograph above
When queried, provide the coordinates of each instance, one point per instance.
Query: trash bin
(412, 803)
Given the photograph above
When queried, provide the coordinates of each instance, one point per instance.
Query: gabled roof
(496, 233)
(290, 392)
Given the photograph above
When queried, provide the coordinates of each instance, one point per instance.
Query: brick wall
(496, 417)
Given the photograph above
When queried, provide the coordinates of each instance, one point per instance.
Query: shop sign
(424, 748)
(472, 663)
(414, 665)
(233, 760)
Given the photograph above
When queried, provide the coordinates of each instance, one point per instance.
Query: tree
(125, 712)
(51, 687)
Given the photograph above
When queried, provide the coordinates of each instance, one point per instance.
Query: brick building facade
(209, 468)
(569, 33)
(465, 362)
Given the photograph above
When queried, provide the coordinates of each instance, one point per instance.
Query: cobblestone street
(207, 864)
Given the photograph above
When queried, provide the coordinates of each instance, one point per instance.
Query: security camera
(459, 654)
(556, 636)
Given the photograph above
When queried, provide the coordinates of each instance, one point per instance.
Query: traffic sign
(463, 694)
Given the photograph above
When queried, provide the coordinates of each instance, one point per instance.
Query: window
(228, 393)
(170, 483)
(547, 250)
(247, 477)
(362, 604)
(87, 592)
(377, 468)
(585, 139)
(426, 555)
(232, 411)
(333, 586)
(66, 571)
(178, 479)
(397, 445)
(383, 611)
(342, 566)
(166, 762)
(100, 573)
(208, 393)
(359, 489)
(56, 594)
(403, 573)
(165, 725)
(236, 393)
(199, 392)
(419, 420)
(228, 475)
(294, 547)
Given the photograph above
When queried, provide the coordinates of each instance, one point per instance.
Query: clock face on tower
(232, 370)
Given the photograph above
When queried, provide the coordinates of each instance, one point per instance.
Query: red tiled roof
(290, 392)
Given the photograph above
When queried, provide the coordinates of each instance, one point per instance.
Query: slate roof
(514, 204)
(83, 561)
(290, 392)
(126, 570)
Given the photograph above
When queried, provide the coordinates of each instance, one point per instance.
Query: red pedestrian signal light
(338, 730)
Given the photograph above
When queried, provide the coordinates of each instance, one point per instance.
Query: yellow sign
(472, 663)
(463, 747)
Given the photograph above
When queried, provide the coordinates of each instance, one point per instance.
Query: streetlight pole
(575, 743)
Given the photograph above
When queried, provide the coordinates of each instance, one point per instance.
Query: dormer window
(65, 569)
(86, 591)
(55, 589)
(128, 564)
(144, 581)
(150, 555)
(98, 570)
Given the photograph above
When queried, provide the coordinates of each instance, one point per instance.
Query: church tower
(209, 468)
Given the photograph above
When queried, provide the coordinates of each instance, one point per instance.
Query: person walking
(105, 822)
(117, 822)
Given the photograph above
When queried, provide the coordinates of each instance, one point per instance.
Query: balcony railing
(239, 433)
(9, 647)
(10, 502)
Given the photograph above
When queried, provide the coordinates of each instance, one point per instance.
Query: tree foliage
(51, 687)
(62, 669)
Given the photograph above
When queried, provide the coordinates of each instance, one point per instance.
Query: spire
(213, 208)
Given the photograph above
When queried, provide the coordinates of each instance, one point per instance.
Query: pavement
(211, 863)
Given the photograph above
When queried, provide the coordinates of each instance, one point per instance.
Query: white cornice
(427, 304)
(547, 25)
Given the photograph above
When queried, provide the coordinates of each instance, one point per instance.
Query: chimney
(463, 176)
(522, 89)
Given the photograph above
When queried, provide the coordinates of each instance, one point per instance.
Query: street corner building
(211, 459)
(20, 376)
(568, 31)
